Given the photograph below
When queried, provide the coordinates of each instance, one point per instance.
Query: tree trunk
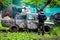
(36, 7)
(48, 2)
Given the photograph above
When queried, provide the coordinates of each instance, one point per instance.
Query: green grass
(55, 32)
(20, 36)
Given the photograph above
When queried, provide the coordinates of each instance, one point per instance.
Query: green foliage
(55, 3)
(6, 3)
(19, 36)
(37, 3)
(1, 6)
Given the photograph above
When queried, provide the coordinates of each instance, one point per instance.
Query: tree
(1, 6)
(55, 3)
(5, 3)
(37, 3)
(47, 3)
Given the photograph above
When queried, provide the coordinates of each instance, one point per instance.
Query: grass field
(55, 32)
